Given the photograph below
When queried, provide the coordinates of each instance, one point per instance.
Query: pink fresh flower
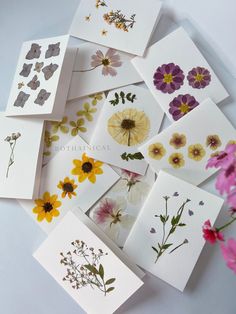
(226, 179)
(229, 253)
(109, 61)
(223, 159)
(232, 199)
(210, 234)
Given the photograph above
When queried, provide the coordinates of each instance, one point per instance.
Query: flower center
(105, 62)
(196, 152)
(47, 207)
(184, 108)
(199, 77)
(213, 141)
(128, 124)
(68, 187)
(168, 78)
(116, 218)
(178, 141)
(156, 151)
(87, 167)
(176, 160)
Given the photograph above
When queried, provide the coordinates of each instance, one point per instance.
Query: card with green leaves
(96, 275)
(168, 230)
(129, 118)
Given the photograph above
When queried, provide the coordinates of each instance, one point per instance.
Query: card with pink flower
(178, 75)
(70, 178)
(130, 117)
(184, 148)
(95, 273)
(122, 25)
(168, 230)
(98, 68)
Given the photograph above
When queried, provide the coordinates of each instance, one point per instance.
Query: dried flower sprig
(120, 20)
(11, 139)
(84, 268)
(100, 3)
(163, 246)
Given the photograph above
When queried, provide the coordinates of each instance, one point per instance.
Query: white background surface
(25, 288)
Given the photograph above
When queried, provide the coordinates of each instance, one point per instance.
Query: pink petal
(111, 71)
(110, 53)
(100, 54)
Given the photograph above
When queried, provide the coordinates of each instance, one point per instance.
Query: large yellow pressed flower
(47, 207)
(196, 152)
(87, 168)
(176, 160)
(68, 187)
(129, 127)
(156, 151)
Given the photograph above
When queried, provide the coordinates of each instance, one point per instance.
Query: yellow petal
(37, 209)
(46, 197)
(39, 202)
(92, 178)
(98, 171)
(55, 213)
(82, 177)
(98, 163)
(41, 216)
(48, 217)
(57, 204)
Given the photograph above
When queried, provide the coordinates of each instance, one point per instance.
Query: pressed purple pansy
(199, 77)
(181, 105)
(168, 78)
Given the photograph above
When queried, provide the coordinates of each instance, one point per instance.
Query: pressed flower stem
(178, 246)
(11, 158)
(226, 225)
(91, 69)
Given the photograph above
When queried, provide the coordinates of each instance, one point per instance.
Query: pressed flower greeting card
(42, 78)
(122, 25)
(130, 116)
(178, 75)
(70, 178)
(86, 267)
(99, 68)
(116, 212)
(184, 148)
(21, 149)
(79, 118)
(168, 230)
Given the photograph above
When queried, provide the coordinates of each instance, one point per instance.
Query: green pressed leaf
(163, 219)
(101, 271)
(155, 249)
(110, 281)
(116, 96)
(110, 289)
(181, 224)
(166, 246)
(92, 269)
(137, 156)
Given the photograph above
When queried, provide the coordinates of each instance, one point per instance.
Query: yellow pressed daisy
(178, 140)
(47, 207)
(68, 187)
(87, 168)
(196, 152)
(213, 141)
(176, 160)
(156, 151)
(129, 127)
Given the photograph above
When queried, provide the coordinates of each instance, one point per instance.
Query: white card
(178, 75)
(130, 116)
(125, 26)
(21, 149)
(80, 118)
(116, 212)
(41, 83)
(168, 230)
(87, 268)
(184, 148)
(69, 179)
(99, 68)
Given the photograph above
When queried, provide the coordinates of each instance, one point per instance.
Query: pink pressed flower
(110, 61)
(229, 253)
(210, 234)
(130, 175)
(226, 179)
(224, 158)
(232, 199)
(105, 210)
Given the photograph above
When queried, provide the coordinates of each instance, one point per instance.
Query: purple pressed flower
(199, 77)
(181, 105)
(168, 78)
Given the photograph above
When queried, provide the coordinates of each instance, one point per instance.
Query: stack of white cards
(83, 154)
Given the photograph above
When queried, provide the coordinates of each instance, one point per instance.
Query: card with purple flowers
(116, 212)
(98, 276)
(122, 25)
(70, 178)
(42, 79)
(168, 230)
(99, 68)
(178, 75)
(129, 118)
(184, 148)
(21, 147)
(80, 118)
